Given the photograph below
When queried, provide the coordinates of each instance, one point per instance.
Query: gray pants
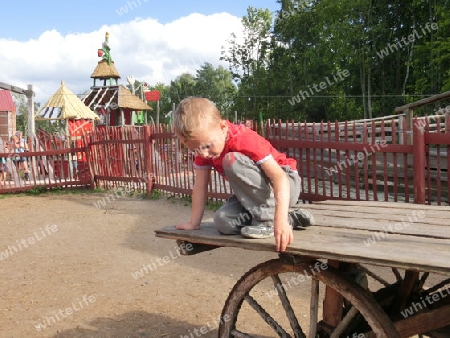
(253, 202)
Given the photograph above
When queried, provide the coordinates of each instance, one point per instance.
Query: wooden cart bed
(411, 237)
(397, 235)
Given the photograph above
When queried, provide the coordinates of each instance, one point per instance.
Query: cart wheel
(267, 290)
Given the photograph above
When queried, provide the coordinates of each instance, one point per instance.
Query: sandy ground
(68, 269)
(72, 265)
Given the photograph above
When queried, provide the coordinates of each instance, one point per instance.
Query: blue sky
(24, 20)
(44, 42)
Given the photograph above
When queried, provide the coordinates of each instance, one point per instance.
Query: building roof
(63, 105)
(105, 71)
(6, 101)
(108, 96)
(128, 100)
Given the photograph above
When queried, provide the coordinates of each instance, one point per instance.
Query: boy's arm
(283, 232)
(199, 192)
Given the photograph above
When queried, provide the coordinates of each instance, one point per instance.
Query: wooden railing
(49, 162)
(368, 160)
(380, 159)
(173, 167)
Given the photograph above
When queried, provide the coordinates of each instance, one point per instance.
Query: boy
(265, 182)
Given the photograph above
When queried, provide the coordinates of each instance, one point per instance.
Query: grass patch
(156, 194)
(39, 190)
(214, 205)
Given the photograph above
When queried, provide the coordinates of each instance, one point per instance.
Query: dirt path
(68, 269)
(72, 265)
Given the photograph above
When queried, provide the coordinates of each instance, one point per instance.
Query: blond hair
(194, 113)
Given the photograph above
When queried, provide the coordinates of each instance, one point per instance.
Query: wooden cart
(338, 257)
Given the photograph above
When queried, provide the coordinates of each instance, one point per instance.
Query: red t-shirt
(249, 143)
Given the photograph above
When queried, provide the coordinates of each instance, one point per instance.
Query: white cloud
(144, 48)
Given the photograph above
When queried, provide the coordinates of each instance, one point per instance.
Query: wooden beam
(12, 88)
(423, 102)
(332, 303)
(406, 289)
(424, 322)
(419, 164)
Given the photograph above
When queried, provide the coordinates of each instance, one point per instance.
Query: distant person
(264, 181)
(3, 169)
(21, 146)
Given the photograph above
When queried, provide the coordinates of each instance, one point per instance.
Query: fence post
(419, 162)
(409, 120)
(148, 160)
(89, 163)
(447, 123)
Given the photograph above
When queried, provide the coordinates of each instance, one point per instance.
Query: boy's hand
(283, 236)
(187, 226)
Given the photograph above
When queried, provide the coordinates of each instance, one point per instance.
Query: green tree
(22, 115)
(182, 87)
(248, 61)
(430, 72)
(314, 39)
(217, 85)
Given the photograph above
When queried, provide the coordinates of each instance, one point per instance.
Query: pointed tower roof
(63, 105)
(105, 71)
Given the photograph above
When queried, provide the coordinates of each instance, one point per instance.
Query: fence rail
(173, 167)
(379, 164)
(48, 162)
(379, 160)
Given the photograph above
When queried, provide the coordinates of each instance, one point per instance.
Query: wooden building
(65, 106)
(113, 103)
(7, 115)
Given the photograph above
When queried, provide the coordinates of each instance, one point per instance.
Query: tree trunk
(362, 74)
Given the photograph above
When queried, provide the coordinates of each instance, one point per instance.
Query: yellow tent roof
(64, 105)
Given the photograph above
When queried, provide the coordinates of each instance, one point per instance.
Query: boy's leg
(254, 190)
(255, 193)
(231, 217)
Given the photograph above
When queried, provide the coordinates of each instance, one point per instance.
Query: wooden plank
(424, 322)
(355, 246)
(424, 215)
(417, 220)
(404, 228)
(373, 204)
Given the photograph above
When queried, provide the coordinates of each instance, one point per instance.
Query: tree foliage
(214, 83)
(288, 63)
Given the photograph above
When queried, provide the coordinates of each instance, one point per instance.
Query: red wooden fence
(173, 167)
(51, 161)
(360, 160)
(368, 160)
